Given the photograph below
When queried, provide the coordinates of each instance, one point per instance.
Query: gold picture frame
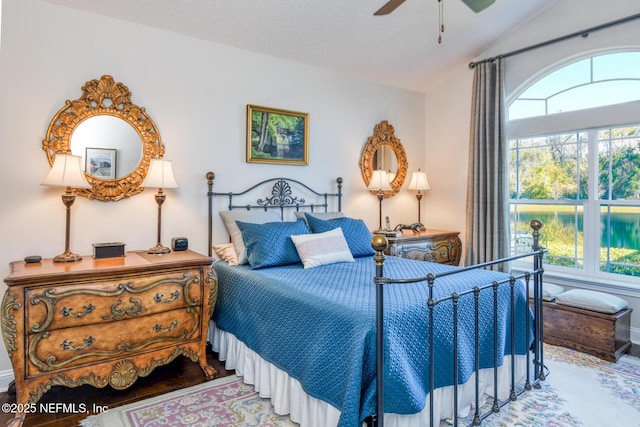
(277, 136)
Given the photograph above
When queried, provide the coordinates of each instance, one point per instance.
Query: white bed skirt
(288, 397)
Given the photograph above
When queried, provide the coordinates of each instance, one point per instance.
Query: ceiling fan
(475, 5)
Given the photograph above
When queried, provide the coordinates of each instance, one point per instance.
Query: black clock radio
(179, 244)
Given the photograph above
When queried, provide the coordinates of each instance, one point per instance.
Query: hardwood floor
(180, 373)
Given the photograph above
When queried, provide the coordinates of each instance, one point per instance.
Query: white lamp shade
(66, 172)
(379, 181)
(419, 181)
(160, 175)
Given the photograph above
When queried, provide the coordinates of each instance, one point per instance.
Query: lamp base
(158, 250)
(67, 256)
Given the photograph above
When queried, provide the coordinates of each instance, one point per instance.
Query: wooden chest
(104, 321)
(606, 336)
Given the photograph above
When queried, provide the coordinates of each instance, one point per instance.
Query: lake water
(625, 227)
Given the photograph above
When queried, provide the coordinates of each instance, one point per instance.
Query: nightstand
(439, 246)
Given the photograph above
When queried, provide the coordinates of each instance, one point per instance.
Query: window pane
(616, 66)
(620, 240)
(521, 108)
(619, 164)
(595, 95)
(561, 233)
(552, 167)
(564, 78)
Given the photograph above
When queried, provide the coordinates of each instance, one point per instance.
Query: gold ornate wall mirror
(384, 151)
(116, 139)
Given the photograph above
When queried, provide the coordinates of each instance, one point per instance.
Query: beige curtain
(487, 192)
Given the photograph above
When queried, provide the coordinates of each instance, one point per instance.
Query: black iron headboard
(280, 197)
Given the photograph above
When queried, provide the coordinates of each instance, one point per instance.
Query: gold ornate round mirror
(116, 139)
(384, 151)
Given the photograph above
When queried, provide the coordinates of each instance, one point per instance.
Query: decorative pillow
(270, 244)
(257, 217)
(355, 232)
(321, 215)
(592, 300)
(227, 252)
(549, 291)
(322, 248)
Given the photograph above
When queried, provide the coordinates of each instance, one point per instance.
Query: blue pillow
(355, 232)
(270, 244)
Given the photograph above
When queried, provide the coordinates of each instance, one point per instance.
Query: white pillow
(549, 291)
(322, 248)
(255, 216)
(592, 300)
(227, 252)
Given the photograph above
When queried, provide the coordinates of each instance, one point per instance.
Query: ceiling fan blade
(389, 7)
(478, 5)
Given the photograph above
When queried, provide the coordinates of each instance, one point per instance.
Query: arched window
(596, 81)
(574, 138)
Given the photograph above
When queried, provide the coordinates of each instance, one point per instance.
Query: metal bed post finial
(210, 177)
(379, 243)
(536, 225)
(339, 181)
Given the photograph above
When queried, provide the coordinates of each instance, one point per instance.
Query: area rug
(226, 401)
(580, 391)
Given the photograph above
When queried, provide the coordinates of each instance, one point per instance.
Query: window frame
(587, 120)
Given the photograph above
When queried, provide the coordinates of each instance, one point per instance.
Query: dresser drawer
(441, 251)
(65, 348)
(51, 308)
(439, 246)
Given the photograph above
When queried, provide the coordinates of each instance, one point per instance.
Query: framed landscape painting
(101, 162)
(277, 136)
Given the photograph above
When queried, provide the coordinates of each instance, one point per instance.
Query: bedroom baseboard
(6, 377)
(635, 335)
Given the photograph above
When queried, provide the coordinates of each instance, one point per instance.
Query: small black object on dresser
(31, 259)
(179, 244)
(108, 250)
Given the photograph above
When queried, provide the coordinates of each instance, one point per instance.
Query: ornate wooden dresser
(104, 321)
(439, 246)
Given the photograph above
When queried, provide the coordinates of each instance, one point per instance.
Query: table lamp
(379, 183)
(419, 183)
(160, 176)
(67, 172)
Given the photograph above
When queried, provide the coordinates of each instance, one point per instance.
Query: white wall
(448, 104)
(196, 92)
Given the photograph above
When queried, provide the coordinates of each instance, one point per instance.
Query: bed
(333, 338)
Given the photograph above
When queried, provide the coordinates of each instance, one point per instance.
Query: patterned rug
(223, 402)
(581, 390)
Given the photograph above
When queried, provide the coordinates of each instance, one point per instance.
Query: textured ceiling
(400, 49)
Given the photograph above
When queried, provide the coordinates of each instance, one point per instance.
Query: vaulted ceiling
(399, 49)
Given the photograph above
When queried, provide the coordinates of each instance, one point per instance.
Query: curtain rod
(581, 33)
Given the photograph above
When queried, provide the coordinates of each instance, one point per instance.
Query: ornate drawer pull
(87, 310)
(117, 313)
(158, 327)
(174, 296)
(67, 345)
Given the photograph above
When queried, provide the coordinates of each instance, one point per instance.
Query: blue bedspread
(318, 325)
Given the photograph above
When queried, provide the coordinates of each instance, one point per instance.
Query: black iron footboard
(380, 243)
